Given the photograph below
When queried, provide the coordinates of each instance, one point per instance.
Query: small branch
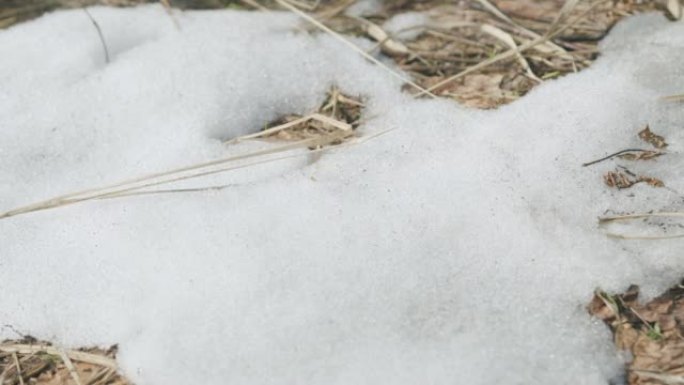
(99, 33)
(614, 155)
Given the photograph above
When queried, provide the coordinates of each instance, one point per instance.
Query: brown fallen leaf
(654, 182)
(641, 155)
(478, 90)
(626, 179)
(618, 179)
(654, 140)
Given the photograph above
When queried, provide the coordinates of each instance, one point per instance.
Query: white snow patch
(460, 247)
(364, 8)
(407, 25)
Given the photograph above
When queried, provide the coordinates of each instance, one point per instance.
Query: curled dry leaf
(619, 179)
(626, 179)
(654, 140)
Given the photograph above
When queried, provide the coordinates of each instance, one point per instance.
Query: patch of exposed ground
(652, 333)
(481, 53)
(29, 361)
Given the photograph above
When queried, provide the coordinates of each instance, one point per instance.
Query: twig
(99, 33)
(614, 155)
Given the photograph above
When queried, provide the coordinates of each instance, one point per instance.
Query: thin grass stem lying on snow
(628, 217)
(128, 187)
(195, 170)
(674, 98)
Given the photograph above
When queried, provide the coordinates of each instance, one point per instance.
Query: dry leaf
(479, 90)
(641, 155)
(625, 179)
(656, 141)
(619, 180)
(654, 182)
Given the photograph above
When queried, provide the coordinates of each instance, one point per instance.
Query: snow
(406, 25)
(459, 247)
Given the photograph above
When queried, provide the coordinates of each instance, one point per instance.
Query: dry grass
(482, 53)
(28, 361)
(338, 116)
(334, 123)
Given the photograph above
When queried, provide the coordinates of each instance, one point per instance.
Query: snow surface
(460, 247)
(407, 25)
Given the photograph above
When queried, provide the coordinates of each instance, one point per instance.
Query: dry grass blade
(629, 217)
(675, 9)
(70, 367)
(637, 151)
(188, 172)
(274, 130)
(563, 14)
(496, 12)
(99, 34)
(353, 46)
(315, 151)
(507, 39)
(639, 237)
(18, 368)
(169, 12)
(389, 46)
(333, 124)
(666, 379)
(674, 98)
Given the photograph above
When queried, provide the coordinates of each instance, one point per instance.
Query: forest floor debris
(338, 116)
(652, 333)
(29, 361)
(482, 53)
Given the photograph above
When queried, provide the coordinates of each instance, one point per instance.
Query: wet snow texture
(460, 247)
